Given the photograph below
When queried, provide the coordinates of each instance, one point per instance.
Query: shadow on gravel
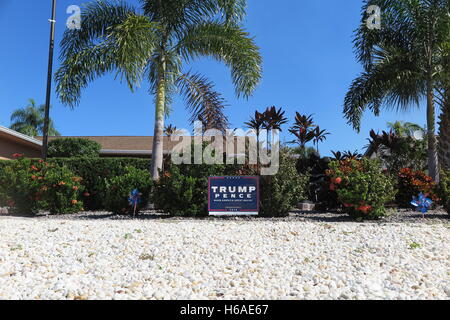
(402, 215)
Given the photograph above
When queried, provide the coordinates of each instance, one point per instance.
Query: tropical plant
(412, 182)
(406, 129)
(256, 124)
(403, 62)
(171, 130)
(30, 120)
(303, 129)
(444, 190)
(154, 42)
(361, 187)
(398, 150)
(273, 119)
(353, 155)
(319, 136)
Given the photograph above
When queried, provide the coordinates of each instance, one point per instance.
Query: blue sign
(233, 196)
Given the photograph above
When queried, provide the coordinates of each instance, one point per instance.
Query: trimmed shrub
(27, 186)
(362, 187)
(183, 189)
(410, 183)
(94, 172)
(118, 190)
(73, 148)
(284, 190)
(444, 190)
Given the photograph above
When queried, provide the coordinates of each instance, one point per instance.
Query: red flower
(75, 188)
(338, 180)
(86, 194)
(332, 187)
(364, 209)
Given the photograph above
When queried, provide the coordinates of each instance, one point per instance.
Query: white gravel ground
(222, 259)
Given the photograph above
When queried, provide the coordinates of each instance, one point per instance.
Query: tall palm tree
(403, 62)
(30, 120)
(153, 42)
(444, 130)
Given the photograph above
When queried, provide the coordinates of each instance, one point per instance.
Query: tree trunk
(444, 132)
(433, 167)
(157, 151)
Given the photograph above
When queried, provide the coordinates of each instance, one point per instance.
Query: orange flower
(75, 188)
(338, 180)
(62, 183)
(74, 201)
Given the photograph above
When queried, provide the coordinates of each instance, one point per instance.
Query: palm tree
(153, 42)
(319, 136)
(171, 130)
(444, 130)
(403, 62)
(30, 120)
(405, 129)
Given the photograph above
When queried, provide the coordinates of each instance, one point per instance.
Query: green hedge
(95, 172)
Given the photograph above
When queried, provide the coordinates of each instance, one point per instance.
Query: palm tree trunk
(157, 150)
(444, 132)
(433, 169)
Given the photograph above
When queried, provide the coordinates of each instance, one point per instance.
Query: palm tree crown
(30, 120)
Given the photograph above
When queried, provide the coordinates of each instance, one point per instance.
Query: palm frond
(228, 44)
(204, 104)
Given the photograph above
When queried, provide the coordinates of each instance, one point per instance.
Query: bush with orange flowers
(27, 186)
(362, 187)
(410, 183)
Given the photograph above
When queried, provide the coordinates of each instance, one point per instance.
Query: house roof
(125, 145)
(17, 136)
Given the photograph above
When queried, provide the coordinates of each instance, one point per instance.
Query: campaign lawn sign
(232, 196)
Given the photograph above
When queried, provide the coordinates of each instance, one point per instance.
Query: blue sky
(308, 65)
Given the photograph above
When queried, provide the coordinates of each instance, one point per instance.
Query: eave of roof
(20, 136)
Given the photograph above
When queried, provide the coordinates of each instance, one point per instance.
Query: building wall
(8, 148)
